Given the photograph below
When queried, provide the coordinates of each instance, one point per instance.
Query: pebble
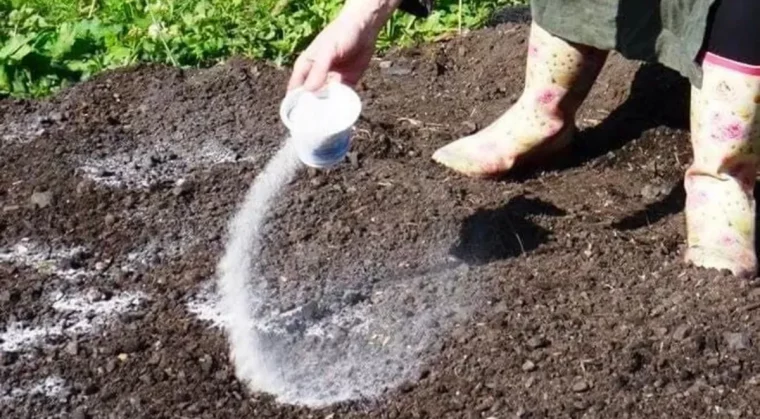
(581, 386)
(653, 191)
(737, 341)
(398, 71)
(57, 116)
(41, 199)
(95, 295)
(111, 365)
(182, 187)
(72, 348)
(529, 366)
(469, 128)
(537, 342)
(318, 181)
(682, 332)
(155, 359)
(353, 158)
(207, 364)
(110, 220)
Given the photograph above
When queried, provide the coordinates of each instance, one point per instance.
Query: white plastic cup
(320, 123)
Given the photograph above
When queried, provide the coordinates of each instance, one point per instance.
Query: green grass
(46, 44)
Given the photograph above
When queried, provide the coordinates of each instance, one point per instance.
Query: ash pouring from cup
(332, 348)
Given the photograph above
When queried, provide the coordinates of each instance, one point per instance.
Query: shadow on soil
(490, 235)
(673, 203)
(659, 97)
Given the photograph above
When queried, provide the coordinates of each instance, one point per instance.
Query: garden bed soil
(579, 303)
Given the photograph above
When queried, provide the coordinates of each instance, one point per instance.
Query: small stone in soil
(682, 332)
(580, 386)
(353, 158)
(537, 342)
(84, 186)
(529, 366)
(95, 295)
(650, 192)
(207, 364)
(182, 187)
(737, 341)
(469, 128)
(41, 199)
(72, 348)
(318, 181)
(56, 116)
(398, 71)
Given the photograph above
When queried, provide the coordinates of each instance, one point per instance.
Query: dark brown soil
(579, 303)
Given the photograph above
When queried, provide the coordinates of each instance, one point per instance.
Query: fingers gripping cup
(320, 123)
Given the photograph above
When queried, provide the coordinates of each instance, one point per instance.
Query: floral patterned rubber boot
(559, 76)
(720, 203)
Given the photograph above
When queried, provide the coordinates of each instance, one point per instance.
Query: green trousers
(669, 32)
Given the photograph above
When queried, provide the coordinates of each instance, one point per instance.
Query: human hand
(343, 50)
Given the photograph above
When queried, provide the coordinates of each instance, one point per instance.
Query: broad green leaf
(17, 47)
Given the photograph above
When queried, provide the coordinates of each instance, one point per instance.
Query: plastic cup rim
(291, 97)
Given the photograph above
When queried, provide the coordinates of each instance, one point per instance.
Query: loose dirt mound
(572, 300)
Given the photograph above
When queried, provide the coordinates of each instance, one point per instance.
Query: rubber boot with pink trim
(558, 78)
(720, 203)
